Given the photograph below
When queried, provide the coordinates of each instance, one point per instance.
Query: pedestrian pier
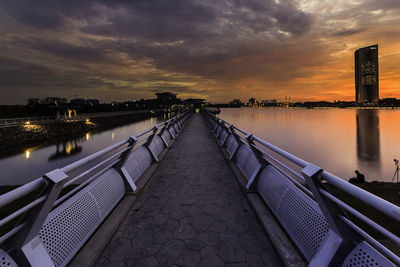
(191, 191)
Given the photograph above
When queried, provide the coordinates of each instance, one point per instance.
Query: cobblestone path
(192, 213)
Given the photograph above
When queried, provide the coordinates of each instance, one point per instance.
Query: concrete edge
(94, 246)
(284, 246)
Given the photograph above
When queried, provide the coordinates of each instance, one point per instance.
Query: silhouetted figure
(360, 178)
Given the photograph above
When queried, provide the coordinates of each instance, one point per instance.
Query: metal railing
(12, 122)
(340, 237)
(4, 123)
(53, 198)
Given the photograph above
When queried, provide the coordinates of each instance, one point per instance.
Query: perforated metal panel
(215, 127)
(172, 131)
(6, 260)
(212, 124)
(180, 124)
(176, 127)
(218, 131)
(247, 161)
(166, 136)
(69, 226)
(156, 145)
(223, 135)
(365, 255)
(299, 215)
(231, 144)
(138, 162)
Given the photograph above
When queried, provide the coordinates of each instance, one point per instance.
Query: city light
(32, 127)
(27, 154)
(68, 149)
(87, 136)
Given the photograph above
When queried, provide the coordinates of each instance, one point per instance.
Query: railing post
(228, 131)
(222, 127)
(30, 249)
(263, 163)
(161, 132)
(232, 130)
(340, 240)
(150, 139)
(169, 127)
(120, 165)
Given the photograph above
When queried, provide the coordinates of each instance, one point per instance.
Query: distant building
(251, 102)
(34, 101)
(50, 100)
(54, 101)
(78, 101)
(271, 102)
(82, 101)
(195, 104)
(92, 102)
(235, 103)
(390, 102)
(366, 74)
(166, 97)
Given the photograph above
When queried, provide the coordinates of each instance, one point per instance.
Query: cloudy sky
(213, 49)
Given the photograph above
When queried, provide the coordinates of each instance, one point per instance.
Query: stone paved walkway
(192, 213)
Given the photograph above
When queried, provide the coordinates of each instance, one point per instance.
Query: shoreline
(15, 140)
(385, 190)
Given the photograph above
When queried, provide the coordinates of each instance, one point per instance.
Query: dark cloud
(46, 14)
(348, 32)
(139, 47)
(291, 20)
(159, 19)
(77, 52)
(184, 36)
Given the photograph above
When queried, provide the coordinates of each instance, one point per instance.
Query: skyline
(120, 50)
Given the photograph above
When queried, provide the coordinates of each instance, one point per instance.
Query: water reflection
(40, 159)
(338, 140)
(66, 149)
(368, 142)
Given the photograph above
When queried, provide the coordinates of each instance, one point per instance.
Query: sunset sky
(218, 50)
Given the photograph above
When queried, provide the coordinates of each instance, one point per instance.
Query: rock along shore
(15, 139)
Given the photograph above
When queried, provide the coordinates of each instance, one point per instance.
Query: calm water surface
(338, 140)
(31, 164)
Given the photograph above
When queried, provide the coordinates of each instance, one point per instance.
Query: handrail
(391, 210)
(114, 154)
(384, 206)
(80, 163)
(21, 191)
(378, 203)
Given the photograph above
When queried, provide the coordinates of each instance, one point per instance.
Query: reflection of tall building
(368, 143)
(366, 74)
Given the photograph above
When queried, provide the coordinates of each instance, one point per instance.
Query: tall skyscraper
(366, 74)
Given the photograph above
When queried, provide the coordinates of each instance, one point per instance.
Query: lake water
(32, 164)
(338, 140)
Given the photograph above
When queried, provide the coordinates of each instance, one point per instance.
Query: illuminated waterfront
(32, 163)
